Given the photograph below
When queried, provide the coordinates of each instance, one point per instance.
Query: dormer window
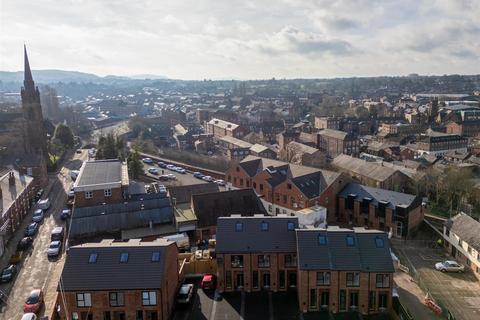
(238, 227)
(379, 243)
(124, 257)
(264, 226)
(92, 258)
(350, 241)
(290, 226)
(155, 256)
(322, 239)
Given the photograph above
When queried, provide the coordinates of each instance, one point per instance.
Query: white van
(44, 204)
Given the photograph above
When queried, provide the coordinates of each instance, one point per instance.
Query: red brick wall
(98, 198)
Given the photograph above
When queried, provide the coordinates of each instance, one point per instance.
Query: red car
(208, 282)
(34, 301)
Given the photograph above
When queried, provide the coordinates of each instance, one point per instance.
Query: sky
(259, 39)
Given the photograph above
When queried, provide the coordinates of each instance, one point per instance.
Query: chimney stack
(11, 178)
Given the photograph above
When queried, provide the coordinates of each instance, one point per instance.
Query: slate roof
(208, 207)
(337, 134)
(183, 194)
(10, 193)
(467, 228)
(301, 148)
(364, 168)
(236, 142)
(252, 239)
(108, 273)
(223, 124)
(257, 148)
(336, 255)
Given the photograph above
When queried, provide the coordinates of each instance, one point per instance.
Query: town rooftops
(301, 148)
(343, 249)
(392, 199)
(467, 228)
(256, 234)
(12, 184)
(337, 134)
(372, 170)
(223, 124)
(183, 194)
(257, 148)
(236, 142)
(101, 174)
(110, 265)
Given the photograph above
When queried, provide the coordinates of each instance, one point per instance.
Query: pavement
(36, 270)
(458, 292)
(263, 305)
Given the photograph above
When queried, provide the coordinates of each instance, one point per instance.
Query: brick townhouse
(119, 281)
(286, 188)
(101, 181)
(462, 240)
(220, 128)
(16, 194)
(255, 253)
(385, 210)
(335, 142)
(342, 269)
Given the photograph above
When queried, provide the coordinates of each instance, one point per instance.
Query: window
(285, 198)
(322, 239)
(238, 227)
(289, 186)
(353, 279)
(261, 187)
(350, 241)
(92, 258)
(84, 299)
(383, 281)
(237, 261)
(155, 256)
(264, 226)
(269, 208)
(124, 257)
(290, 226)
(107, 192)
(152, 315)
(139, 315)
(290, 260)
(313, 298)
(254, 185)
(255, 279)
(379, 242)
(228, 279)
(264, 261)
(116, 299)
(149, 298)
(88, 194)
(447, 232)
(323, 278)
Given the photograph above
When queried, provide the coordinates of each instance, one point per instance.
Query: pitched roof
(301, 148)
(467, 228)
(108, 273)
(337, 134)
(364, 255)
(223, 124)
(208, 207)
(252, 239)
(237, 142)
(393, 198)
(364, 168)
(10, 192)
(101, 172)
(183, 194)
(257, 148)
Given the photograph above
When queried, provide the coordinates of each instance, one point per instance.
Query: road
(36, 271)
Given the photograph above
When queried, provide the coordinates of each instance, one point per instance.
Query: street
(36, 271)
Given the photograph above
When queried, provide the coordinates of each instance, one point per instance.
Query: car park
(65, 214)
(147, 160)
(54, 249)
(198, 175)
(162, 164)
(449, 266)
(208, 282)
(164, 177)
(25, 243)
(31, 230)
(44, 204)
(171, 176)
(208, 178)
(185, 293)
(8, 273)
(38, 216)
(57, 234)
(153, 171)
(171, 167)
(34, 301)
(162, 188)
(29, 316)
(220, 182)
(180, 170)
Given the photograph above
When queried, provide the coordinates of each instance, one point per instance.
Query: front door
(266, 280)
(239, 280)
(292, 279)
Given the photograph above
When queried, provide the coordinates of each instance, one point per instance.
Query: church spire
(28, 83)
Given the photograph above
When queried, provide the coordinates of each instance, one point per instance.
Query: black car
(39, 194)
(162, 164)
(8, 273)
(31, 230)
(25, 243)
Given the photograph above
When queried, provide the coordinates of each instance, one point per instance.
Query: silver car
(449, 266)
(54, 248)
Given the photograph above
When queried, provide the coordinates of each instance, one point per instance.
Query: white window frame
(85, 301)
(107, 192)
(149, 298)
(88, 194)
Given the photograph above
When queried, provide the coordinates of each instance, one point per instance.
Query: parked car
(39, 194)
(147, 160)
(57, 234)
(31, 230)
(44, 204)
(208, 178)
(34, 301)
(198, 175)
(162, 164)
(208, 282)
(17, 257)
(164, 177)
(29, 316)
(8, 273)
(74, 174)
(180, 170)
(71, 194)
(171, 167)
(153, 171)
(220, 182)
(79, 151)
(54, 249)
(171, 176)
(65, 214)
(25, 243)
(38, 216)
(185, 293)
(449, 266)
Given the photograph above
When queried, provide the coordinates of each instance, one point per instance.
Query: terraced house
(119, 281)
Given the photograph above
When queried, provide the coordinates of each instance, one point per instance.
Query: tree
(64, 135)
(135, 165)
(107, 147)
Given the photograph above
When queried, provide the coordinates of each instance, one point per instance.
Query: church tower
(35, 135)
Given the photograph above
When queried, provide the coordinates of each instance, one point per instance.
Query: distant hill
(53, 76)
